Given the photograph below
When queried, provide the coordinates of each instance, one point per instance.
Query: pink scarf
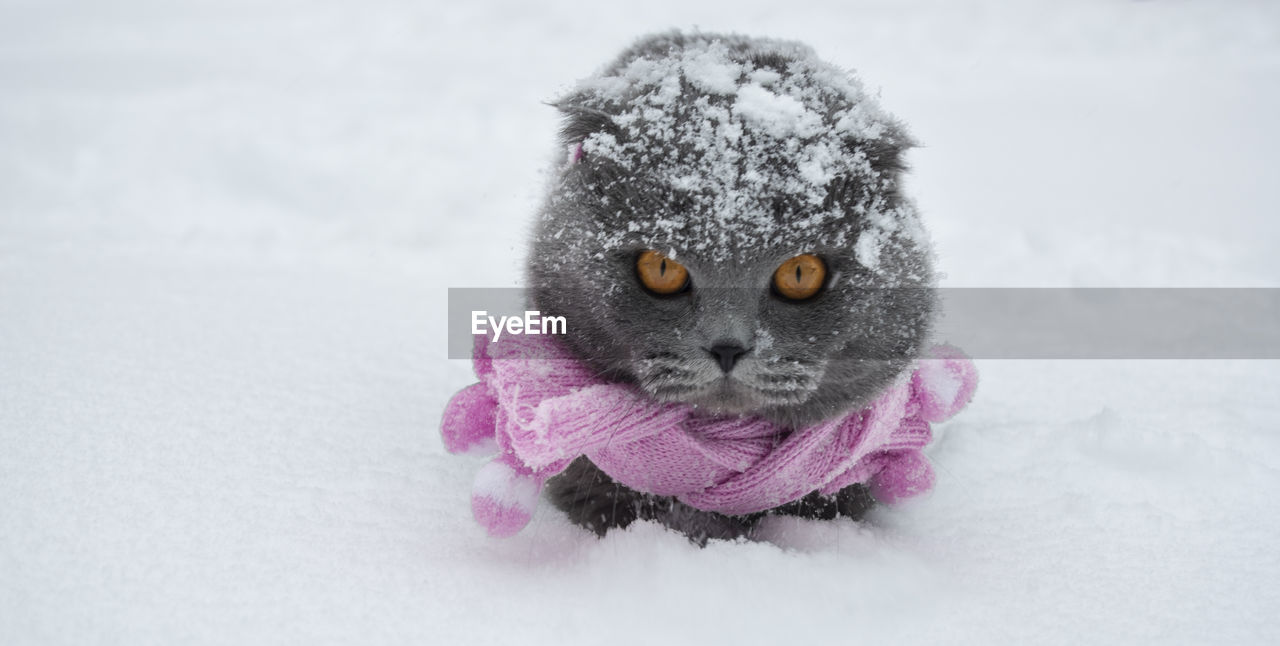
(544, 408)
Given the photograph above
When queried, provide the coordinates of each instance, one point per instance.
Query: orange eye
(800, 277)
(660, 274)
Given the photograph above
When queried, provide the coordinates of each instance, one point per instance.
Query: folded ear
(579, 121)
(885, 153)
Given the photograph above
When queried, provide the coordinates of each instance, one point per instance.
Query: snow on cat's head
(730, 155)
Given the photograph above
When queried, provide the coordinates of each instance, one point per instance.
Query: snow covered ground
(226, 231)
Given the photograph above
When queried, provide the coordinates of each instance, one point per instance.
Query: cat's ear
(579, 121)
(885, 153)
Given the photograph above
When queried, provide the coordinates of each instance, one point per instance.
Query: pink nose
(577, 153)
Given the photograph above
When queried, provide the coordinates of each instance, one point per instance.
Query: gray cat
(726, 229)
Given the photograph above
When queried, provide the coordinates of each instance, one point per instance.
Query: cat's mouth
(730, 395)
(749, 388)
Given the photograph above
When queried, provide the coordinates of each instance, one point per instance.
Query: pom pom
(905, 474)
(468, 423)
(503, 500)
(944, 381)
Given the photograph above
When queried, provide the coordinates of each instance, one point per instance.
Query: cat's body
(729, 157)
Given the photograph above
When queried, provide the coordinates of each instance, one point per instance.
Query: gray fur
(806, 361)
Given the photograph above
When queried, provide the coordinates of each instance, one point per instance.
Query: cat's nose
(727, 353)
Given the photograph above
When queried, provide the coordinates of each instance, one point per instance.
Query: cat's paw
(700, 526)
(591, 499)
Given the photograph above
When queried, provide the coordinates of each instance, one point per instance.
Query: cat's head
(726, 229)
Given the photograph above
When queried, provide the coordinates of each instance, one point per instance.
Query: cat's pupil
(662, 269)
(797, 273)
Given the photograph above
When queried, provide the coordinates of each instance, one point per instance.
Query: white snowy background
(226, 231)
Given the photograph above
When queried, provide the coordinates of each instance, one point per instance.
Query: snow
(502, 484)
(867, 249)
(710, 70)
(779, 115)
(226, 232)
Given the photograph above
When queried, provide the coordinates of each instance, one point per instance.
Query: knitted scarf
(539, 408)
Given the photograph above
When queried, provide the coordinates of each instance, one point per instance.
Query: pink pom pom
(944, 382)
(503, 500)
(905, 474)
(468, 422)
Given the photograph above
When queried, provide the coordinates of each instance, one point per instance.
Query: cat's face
(728, 340)
(716, 266)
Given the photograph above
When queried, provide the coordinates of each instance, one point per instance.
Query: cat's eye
(660, 274)
(800, 277)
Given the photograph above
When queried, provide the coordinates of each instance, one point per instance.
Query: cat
(725, 228)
